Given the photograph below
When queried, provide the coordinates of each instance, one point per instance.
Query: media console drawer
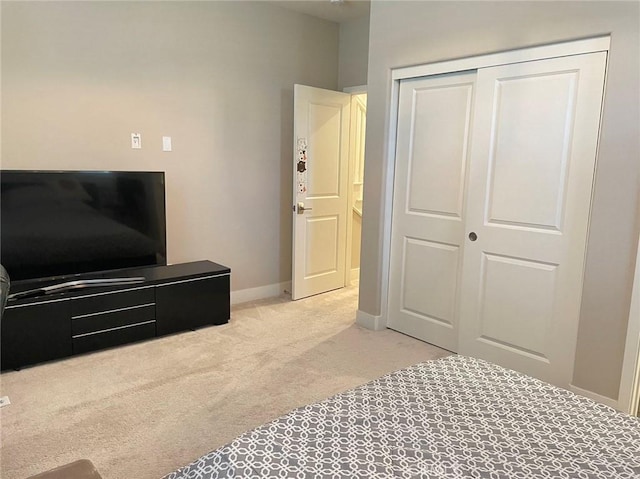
(93, 322)
(114, 337)
(112, 300)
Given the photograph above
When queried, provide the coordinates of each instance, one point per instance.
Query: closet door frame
(543, 52)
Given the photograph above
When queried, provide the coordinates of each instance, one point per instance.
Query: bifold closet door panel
(434, 119)
(532, 163)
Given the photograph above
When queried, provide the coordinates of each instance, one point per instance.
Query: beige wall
(409, 33)
(79, 77)
(354, 52)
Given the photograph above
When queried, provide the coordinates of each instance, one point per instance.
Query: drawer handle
(112, 311)
(112, 329)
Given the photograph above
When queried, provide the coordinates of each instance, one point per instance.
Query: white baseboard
(595, 396)
(261, 292)
(369, 321)
(355, 274)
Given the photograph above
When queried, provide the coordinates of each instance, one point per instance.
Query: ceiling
(334, 11)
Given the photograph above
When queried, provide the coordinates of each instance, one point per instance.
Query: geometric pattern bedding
(451, 418)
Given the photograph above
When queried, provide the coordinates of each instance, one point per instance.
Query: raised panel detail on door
(531, 173)
(516, 304)
(430, 280)
(325, 125)
(322, 234)
(436, 163)
(428, 207)
(532, 134)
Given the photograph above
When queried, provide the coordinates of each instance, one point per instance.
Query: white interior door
(320, 190)
(531, 173)
(428, 215)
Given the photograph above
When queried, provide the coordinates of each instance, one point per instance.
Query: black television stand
(100, 310)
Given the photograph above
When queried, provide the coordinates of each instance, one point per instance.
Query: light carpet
(142, 410)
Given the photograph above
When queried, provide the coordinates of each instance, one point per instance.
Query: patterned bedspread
(451, 418)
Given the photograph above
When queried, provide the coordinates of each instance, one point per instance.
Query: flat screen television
(56, 224)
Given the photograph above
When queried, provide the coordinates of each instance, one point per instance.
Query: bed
(455, 417)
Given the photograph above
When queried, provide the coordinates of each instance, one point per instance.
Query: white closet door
(530, 180)
(428, 215)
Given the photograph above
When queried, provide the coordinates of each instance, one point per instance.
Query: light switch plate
(166, 143)
(136, 141)
(4, 401)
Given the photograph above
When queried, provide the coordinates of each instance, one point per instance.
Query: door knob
(302, 209)
(473, 236)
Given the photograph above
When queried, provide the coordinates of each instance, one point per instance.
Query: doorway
(356, 167)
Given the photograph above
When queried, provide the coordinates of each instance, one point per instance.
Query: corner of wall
(369, 321)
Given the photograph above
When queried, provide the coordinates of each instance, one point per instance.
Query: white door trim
(576, 47)
(353, 91)
(629, 395)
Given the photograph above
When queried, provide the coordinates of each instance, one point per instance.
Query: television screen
(60, 223)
